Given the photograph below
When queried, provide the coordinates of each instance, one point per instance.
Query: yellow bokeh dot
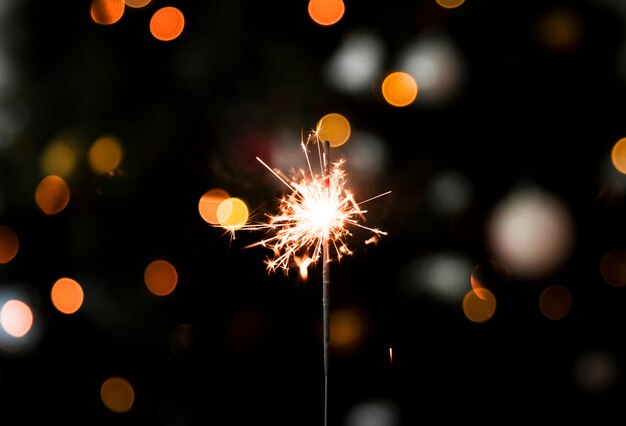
(399, 89)
(334, 128)
(59, 158)
(105, 155)
(232, 213)
(618, 155)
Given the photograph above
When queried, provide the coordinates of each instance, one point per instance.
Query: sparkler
(314, 216)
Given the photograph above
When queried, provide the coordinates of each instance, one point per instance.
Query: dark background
(193, 113)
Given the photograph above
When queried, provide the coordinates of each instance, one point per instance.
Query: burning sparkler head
(317, 207)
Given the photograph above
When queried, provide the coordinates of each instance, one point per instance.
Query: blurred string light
(559, 29)
(374, 412)
(232, 214)
(450, 4)
(136, 4)
(167, 23)
(105, 155)
(107, 12)
(209, 203)
(160, 277)
(356, 64)
(443, 276)
(326, 12)
(52, 194)
(60, 156)
(67, 295)
(613, 267)
(435, 63)
(555, 302)
(117, 394)
(479, 305)
(20, 328)
(184, 340)
(334, 128)
(9, 244)
(487, 279)
(348, 331)
(399, 89)
(618, 155)
(597, 371)
(448, 192)
(532, 232)
(16, 317)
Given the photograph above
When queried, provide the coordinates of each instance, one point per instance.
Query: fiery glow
(317, 207)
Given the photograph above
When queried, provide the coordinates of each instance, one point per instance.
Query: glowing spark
(318, 206)
(390, 355)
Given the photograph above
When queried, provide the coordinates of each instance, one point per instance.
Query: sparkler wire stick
(326, 282)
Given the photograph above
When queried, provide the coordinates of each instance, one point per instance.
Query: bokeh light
(117, 394)
(399, 89)
(449, 192)
(107, 12)
(208, 204)
(348, 330)
(167, 23)
(479, 306)
(105, 154)
(560, 30)
(444, 276)
(9, 244)
(67, 295)
(613, 267)
(232, 213)
(491, 275)
(618, 155)
(16, 317)
(374, 412)
(334, 128)
(137, 3)
(356, 63)
(597, 371)
(450, 4)
(160, 277)
(184, 341)
(436, 63)
(59, 157)
(52, 194)
(555, 301)
(326, 12)
(531, 232)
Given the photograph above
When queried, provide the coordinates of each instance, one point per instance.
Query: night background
(496, 294)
